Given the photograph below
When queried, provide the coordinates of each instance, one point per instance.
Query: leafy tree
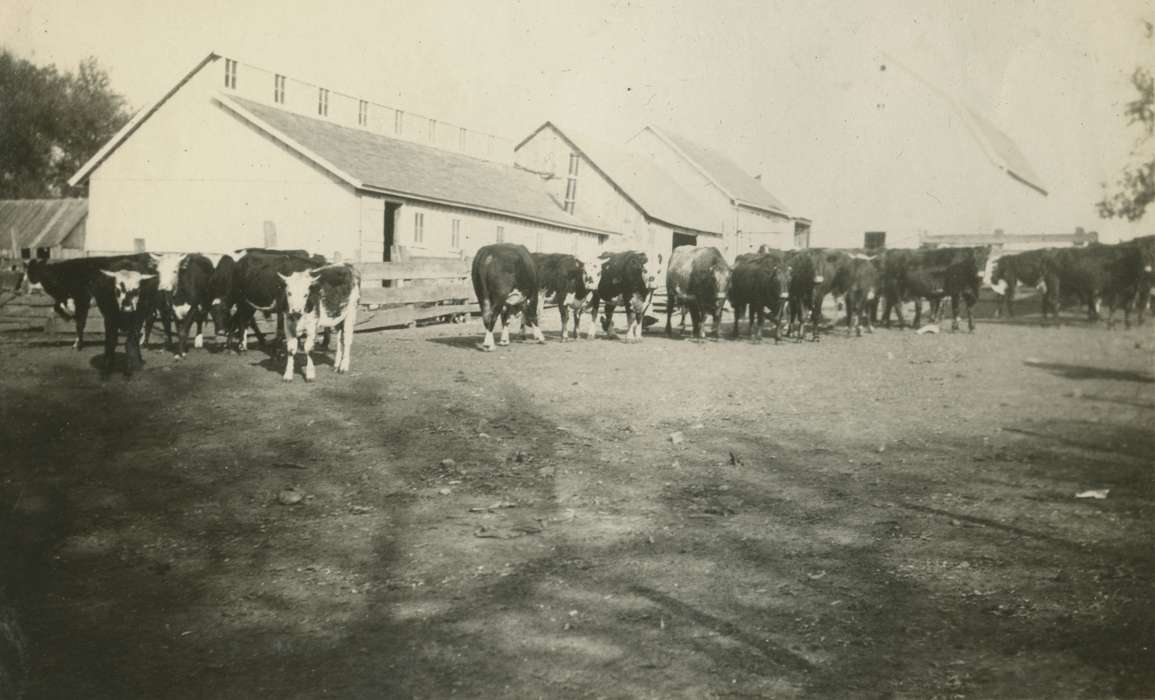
(1134, 191)
(51, 123)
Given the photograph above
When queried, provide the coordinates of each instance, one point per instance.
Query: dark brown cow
(505, 281)
(1032, 267)
(1101, 274)
(760, 282)
(934, 274)
(814, 273)
(862, 294)
(568, 282)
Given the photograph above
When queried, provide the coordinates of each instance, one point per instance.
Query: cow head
(167, 270)
(126, 285)
(654, 270)
(591, 273)
(298, 289)
(34, 275)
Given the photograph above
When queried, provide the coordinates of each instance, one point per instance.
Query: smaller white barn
(234, 156)
(618, 189)
(750, 216)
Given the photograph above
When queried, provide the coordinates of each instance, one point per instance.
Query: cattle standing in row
(320, 298)
(257, 287)
(505, 280)
(70, 283)
(568, 282)
(861, 296)
(814, 273)
(933, 274)
(1101, 274)
(627, 278)
(698, 279)
(1034, 268)
(760, 281)
(125, 293)
(183, 283)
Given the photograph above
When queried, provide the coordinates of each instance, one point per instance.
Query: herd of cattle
(311, 296)
(131, 291)
(789, 287)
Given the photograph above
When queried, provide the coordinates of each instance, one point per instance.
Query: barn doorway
(683, 239)
(387, 254)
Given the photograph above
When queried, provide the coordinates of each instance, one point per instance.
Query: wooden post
(15, 248)
(270, 234)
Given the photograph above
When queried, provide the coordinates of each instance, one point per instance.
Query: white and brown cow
(698, 280)
(321, 298)
(125, 295)
(183, 283)
(627, 278)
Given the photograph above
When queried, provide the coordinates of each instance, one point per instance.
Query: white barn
(618, 189)
(750, 216)
(234, 156)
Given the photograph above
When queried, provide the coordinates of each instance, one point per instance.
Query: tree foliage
(1134, 191)
(51, 122)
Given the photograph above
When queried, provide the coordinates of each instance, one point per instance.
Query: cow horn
(284, 278)
(106, 272)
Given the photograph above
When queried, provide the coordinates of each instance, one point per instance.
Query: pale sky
(779, 86)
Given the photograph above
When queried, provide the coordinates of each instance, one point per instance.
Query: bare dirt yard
(894, 515)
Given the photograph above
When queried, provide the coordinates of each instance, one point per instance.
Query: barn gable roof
(734, 182)
(134, 123)
(39, 223)
(372, 161)
(640, 180)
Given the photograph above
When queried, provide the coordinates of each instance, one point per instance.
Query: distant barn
(43, 228)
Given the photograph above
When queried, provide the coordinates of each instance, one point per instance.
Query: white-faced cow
(183, 283)
(321, 298)
(698, 279)
(71, 283)
(257, 287)
(125, 295)
(628, 278)
(505, 281)
(568, 282)
(760, 281)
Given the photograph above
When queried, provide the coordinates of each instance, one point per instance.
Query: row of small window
(323, 103)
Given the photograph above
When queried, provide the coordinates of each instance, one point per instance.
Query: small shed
(43, 228)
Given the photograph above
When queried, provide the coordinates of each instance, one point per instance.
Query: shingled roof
(641, 181)
(735, 182)
(372, 161)
(39, 223)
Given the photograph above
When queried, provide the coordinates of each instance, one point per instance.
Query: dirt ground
(894, 515)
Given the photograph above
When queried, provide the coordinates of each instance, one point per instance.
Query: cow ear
(155, 256)
(110, 274)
